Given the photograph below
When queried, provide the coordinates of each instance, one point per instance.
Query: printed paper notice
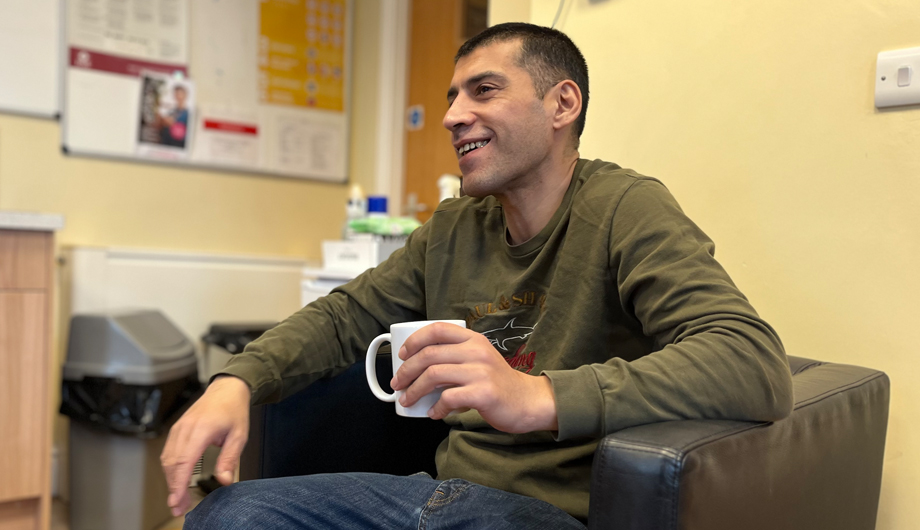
(151, 30)
(308, 148)
(302, 53)
(227, 136)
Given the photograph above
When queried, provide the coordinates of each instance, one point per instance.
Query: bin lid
(234, 336)
(137, 346)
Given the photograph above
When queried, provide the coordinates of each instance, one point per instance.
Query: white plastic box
(356, 256)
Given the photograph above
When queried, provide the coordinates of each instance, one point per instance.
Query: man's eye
(484, 89)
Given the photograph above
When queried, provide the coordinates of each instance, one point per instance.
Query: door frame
(389, 167)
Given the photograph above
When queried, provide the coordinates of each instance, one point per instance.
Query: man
(593, 305)
(174, 124)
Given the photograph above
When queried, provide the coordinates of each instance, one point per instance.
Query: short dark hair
(548, 55)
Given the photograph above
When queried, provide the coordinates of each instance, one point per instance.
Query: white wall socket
(897, 78)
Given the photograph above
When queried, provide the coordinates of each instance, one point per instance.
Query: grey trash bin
(128, 376)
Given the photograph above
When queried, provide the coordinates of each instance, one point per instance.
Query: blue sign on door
(415, 117)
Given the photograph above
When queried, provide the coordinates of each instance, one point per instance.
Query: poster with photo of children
(164, 125)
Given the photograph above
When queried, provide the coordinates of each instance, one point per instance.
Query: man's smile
(470, 146)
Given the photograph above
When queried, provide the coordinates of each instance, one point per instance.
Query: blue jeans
(352, 501)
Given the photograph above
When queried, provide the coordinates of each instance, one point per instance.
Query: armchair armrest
(819, 468)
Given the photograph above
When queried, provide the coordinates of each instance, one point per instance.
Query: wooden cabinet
(25, 412)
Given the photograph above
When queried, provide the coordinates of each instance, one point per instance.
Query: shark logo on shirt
(500, 336)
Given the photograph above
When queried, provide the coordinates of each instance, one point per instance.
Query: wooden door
(438, 28)
(433, 41)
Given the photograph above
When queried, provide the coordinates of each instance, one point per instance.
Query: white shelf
(31, 221)
(327, 274)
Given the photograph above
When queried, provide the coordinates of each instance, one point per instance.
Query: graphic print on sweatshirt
(500, 337)
(508, 322)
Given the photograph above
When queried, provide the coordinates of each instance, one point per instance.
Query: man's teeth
(470, 146)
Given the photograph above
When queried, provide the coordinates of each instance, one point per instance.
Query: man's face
(180, 95)
(493, 105)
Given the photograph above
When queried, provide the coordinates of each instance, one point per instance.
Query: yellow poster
(302, 53)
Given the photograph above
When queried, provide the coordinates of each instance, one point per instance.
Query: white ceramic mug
(396, 337)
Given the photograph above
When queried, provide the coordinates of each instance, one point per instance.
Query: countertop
(10, 220)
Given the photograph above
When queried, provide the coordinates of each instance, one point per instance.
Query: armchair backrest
(337, 425)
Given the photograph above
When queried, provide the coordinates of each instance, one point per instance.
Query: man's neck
(528, 210)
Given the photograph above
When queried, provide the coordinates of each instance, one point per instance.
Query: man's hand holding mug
(442, 367)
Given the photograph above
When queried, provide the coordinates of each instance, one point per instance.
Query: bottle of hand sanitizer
(355, 208)
(448, 187)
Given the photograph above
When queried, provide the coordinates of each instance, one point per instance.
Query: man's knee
(228, 508)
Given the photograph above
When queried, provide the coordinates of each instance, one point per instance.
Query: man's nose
(458, 114)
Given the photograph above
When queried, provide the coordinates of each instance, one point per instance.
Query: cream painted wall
(759, 117)
(144, 205)
(509, 11)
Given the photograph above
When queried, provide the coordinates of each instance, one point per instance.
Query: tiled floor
(60, 517)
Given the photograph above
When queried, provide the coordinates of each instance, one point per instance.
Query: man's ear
(567, 97)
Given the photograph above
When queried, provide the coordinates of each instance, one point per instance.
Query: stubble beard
(492, 181)
(509, 168)
(480, 186)
(502, 177)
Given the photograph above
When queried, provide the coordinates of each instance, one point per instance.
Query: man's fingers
(437, 333)
(176, 441)
(178, 502)
(437, 354)
(179, 467)
(166, 459)
(181, 506)
(229, 457)
(439, 376)
(449, 404)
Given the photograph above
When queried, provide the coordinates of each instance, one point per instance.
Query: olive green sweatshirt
(618, 300)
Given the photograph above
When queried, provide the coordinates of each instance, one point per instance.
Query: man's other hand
(220, 417)
(474, 376)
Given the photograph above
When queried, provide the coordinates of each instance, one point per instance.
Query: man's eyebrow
(452, 92)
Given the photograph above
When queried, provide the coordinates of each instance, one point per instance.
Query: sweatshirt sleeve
(327, 336)
(715, 357)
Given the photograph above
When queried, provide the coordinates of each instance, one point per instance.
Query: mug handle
(370, 365)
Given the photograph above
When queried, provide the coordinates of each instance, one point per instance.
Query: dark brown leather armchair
(820, 468)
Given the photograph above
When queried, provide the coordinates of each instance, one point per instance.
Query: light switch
(894, 83)
(904, 76)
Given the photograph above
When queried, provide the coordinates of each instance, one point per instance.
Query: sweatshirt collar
(536, 242)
